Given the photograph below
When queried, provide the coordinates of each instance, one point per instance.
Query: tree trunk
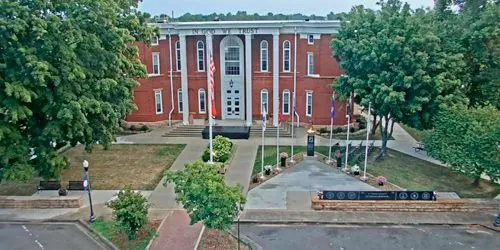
(476, 181)
(374, 124)
(384, 134)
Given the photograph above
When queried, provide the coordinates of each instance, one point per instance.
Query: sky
(308, 7)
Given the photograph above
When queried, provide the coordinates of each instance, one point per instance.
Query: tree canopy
(201, 190)
(394, 59)
(467, 139)
(67, 71)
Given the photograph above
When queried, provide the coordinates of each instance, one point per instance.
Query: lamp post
(86, 184)
(238, 207)
(497, 219)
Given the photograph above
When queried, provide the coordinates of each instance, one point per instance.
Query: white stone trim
(248, 75)
(184, 81)
(276, 78)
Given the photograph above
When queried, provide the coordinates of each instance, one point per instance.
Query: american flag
(212, 83)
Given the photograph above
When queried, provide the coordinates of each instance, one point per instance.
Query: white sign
(225, 31)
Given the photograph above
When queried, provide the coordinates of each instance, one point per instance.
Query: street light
(497, 219)
(238, 207)
(86, 184)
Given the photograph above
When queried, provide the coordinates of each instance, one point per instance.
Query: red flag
(212, 73)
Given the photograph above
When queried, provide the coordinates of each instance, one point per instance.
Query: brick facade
(326, 70)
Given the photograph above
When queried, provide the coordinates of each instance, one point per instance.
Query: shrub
(283, 155)
(132, 128)
(337, 130)
(323, 130)
(362, 123)
(130, 210)
(381, 180)
(144, 128)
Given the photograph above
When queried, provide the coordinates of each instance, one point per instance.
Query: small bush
(323, 130)
(132, 128)
(362, 123)
(144, 128)
(130, 210)
(337, 130)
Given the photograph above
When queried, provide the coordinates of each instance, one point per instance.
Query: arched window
(264, 103)
(286, 56)
(202, 100)
(200, 48)
(178, 55)
(232, 60)
(264, 56)
(179, 101)
(286, 102)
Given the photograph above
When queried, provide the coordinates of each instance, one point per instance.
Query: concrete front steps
(255, 131)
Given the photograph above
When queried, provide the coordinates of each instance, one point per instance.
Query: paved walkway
(292, 189)
(240, 170)
(176, 233)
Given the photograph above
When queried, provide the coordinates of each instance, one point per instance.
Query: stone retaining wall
(441, 205)
(40, 203)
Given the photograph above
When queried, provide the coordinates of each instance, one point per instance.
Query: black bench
(419, 147)
(49, 185)
(75, 186)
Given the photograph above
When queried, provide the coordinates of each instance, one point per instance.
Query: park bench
(75, 186)
(419, 147)
(49, 185)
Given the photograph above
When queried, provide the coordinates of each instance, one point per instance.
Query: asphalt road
(319, 237)
(45, 237)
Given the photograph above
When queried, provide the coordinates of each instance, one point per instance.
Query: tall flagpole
(294, 90)
(367, 138)
(348, 128)
(332, 113)
(278, 143)
(264, 114)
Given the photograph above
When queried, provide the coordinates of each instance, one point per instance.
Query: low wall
(441, 205)
(40, 203)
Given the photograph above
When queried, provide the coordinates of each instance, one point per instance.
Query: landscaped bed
(213, 239)
(140, 166)
(403, 170)
(111, 231)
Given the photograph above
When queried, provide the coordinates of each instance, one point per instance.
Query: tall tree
(468, 140)
(67, 71)
(201, 190)
(393, 59)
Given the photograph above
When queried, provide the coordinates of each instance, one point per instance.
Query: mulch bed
(213, 239)
(120, 239)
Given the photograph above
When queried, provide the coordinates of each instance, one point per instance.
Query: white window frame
(285, 52)
(287, 100)
(155, 41)
(180, 101)
(157, 55)
(262, 93)
(200, 57)
(310, 39)
(158, 97)
(309, 94)
(178, 56)
(264, 52)
(204, 98)
(310, 64)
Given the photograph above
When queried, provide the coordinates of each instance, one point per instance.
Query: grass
(109, 230)
(412, 173)
(417, 134)
(403, 170)
(140, 166)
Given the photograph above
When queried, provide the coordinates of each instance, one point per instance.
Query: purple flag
(332, 110)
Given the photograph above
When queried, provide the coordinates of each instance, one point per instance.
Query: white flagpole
(294, 90)
(278, 144)
(348, 128)
(330, 148)
(210, 121)
(262, 153)
(367, 137)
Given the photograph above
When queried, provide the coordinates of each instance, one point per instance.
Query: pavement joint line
(199, 238)
(157, 231)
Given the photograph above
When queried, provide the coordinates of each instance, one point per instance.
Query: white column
(276, 77)
(248, 75)
(184, 81)
(208, 52)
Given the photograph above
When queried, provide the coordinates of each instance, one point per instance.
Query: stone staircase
(255, 131)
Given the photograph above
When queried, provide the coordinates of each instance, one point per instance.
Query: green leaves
(467, 139)
(202, 192)
(65, 65)
(130, 210)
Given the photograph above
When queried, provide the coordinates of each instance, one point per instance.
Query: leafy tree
(205, 196)
(468, 140)
(67, 70)
(393, 59)
(130, 210)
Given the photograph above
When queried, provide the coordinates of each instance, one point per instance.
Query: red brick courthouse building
(255, 71)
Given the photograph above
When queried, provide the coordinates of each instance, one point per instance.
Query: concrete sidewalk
(279, 216)
(240, 170)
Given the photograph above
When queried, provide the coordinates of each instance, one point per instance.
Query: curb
(246, 241)
(156, 235)
(96, 235)
(199, 238)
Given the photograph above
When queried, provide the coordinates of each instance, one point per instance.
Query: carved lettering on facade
(224, 31)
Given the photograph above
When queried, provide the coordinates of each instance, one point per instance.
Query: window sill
(313, 76)
(155, 75)
(161, 113)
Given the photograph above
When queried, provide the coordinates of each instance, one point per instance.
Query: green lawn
(109, 230)
(418, 135)
(403, 170)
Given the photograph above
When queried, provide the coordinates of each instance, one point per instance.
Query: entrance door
(232, 78)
